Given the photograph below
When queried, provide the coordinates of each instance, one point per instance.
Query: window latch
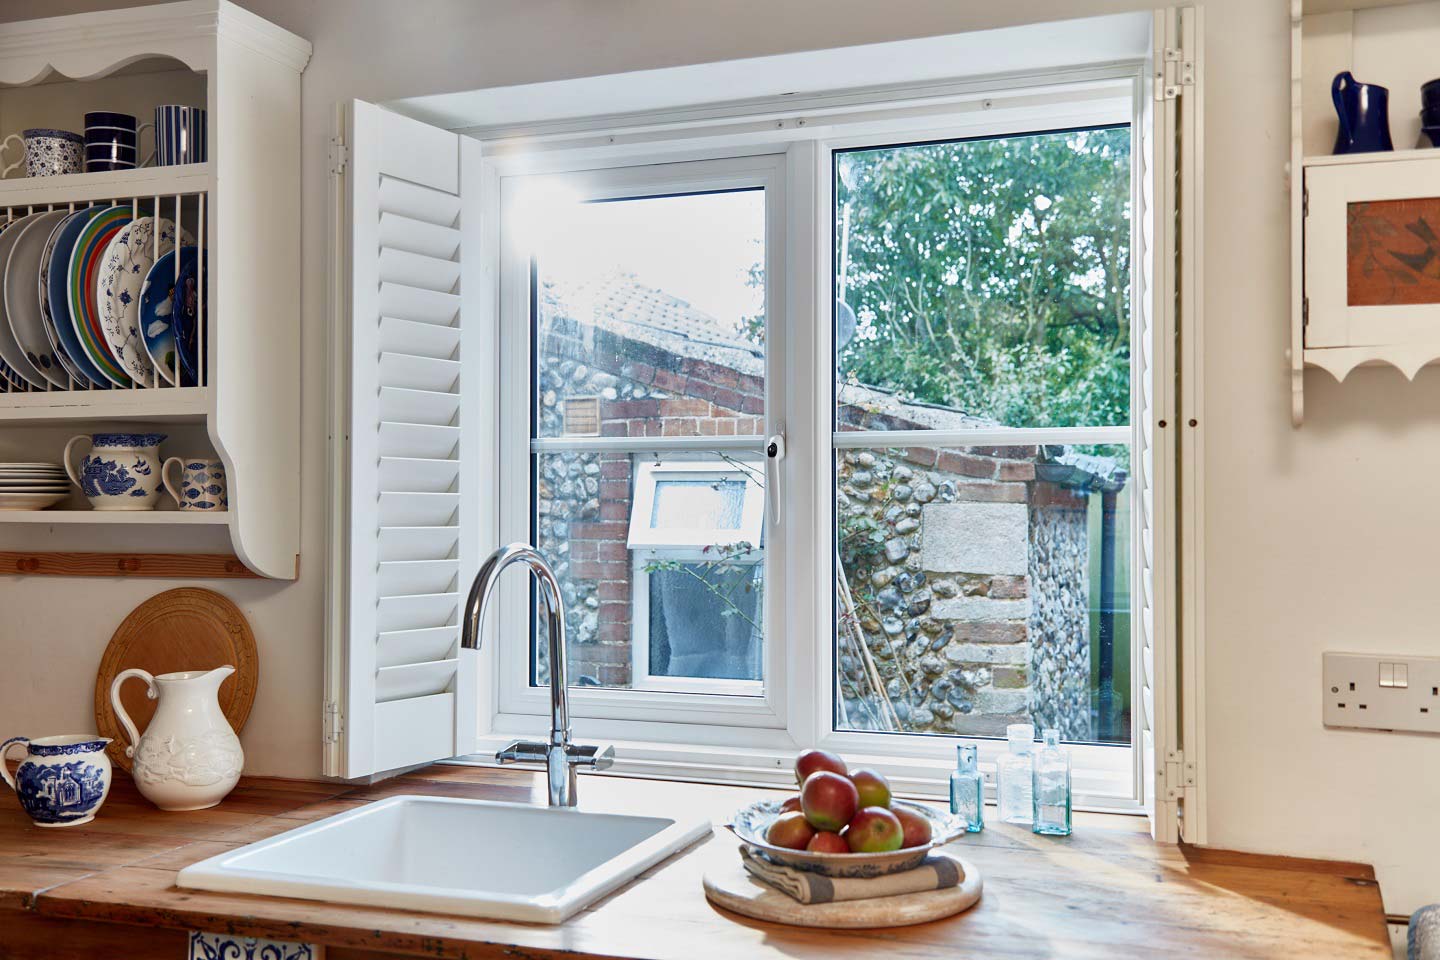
(774, 453)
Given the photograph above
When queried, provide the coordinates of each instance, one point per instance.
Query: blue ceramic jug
(1364, 112)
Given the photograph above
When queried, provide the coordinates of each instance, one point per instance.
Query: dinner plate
(10, 349)
(90, 245)
(54, 309)
(157, 316)
(189, 293)
(29, 501)
(22, 303)
(123, 270)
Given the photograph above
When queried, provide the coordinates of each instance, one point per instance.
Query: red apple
(813, 761)
(874, 789)
(916, 828)
(874, 830)
(790, 805)
(827, 842)
(790, 830)
(829, 800)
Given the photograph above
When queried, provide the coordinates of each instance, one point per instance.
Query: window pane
(984, 282)
(983, 586)
(650, 316)
(642, 611)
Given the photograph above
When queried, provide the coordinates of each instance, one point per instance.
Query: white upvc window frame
(734, 738)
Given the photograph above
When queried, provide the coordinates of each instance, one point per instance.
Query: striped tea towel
(937, 872)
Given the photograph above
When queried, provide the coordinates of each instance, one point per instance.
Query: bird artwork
(1393, 252)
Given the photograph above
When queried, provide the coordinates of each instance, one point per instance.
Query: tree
(992, 275)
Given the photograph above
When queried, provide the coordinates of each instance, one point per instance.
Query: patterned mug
(61, 781)
(201, 485)
(47, 153)
(121, 471)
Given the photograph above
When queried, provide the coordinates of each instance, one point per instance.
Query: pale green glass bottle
(967, 789)
(1051, 787)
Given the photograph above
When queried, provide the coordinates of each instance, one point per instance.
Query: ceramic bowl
(750, 823)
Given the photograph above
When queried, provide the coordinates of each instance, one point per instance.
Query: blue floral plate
(189, 294)
(157, 308)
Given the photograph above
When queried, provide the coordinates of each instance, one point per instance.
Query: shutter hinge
(339, 156)
(1179, 774)
(334, 723)
(1176, 73)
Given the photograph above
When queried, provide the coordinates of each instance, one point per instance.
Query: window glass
(714, 504)
(984, 282)
(705, 619)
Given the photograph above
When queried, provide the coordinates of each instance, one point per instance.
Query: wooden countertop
(1108, 891)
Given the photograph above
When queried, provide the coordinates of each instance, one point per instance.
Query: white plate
(123, 269)
(10, 349)
(22, 302)
(29, 501)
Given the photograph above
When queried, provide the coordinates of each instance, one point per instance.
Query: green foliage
(992, 275)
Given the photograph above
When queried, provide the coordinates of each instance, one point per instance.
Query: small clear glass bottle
(1052, 787)
(1014, 786)
(967, 789)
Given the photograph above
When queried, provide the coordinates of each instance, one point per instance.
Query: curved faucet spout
(559, 756)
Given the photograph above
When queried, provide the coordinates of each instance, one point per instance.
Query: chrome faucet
(560, 756)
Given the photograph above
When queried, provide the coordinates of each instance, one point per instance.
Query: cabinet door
(1372, 251)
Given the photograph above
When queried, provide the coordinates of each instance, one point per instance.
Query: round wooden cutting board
(186, 629)
(736, 890)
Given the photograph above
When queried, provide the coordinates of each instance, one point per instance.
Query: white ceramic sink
(505, 861)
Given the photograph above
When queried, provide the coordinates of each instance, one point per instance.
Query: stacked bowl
(32, 486)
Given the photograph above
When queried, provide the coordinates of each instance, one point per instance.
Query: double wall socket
(1382, 692)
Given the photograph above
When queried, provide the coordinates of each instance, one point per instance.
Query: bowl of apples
(843, 823)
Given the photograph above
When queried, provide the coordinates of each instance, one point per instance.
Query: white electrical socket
(1382, 692)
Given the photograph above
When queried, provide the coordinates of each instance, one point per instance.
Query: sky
(699, 248)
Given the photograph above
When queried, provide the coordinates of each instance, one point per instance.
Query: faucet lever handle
(596, 757)
(522, 751)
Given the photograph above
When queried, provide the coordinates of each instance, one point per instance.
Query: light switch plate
(1382, 692)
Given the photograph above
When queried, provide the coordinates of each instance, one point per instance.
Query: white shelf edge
(84, 187)
(116, 517)
(156, 403)
(1408, 358)
(1377, 156)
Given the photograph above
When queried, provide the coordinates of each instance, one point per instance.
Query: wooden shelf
(117, 517)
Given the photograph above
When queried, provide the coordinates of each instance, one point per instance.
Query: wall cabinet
(241, 208)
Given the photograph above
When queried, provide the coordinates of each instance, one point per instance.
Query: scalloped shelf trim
(1340, 361)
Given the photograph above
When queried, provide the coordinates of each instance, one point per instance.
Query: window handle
(774, 453)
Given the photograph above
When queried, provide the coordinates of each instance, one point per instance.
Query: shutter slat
(418, 339)
(399, 232)
(418, 440)
(417, 475)
(418, 152)
(419, 373)
(418, 304)
(399, 647)
(406, 577)
(415, 731)
(414, 270)
(414, 680)
(418, 509)
(418, 543)
(417, 613)
(399, 405)
(417, 202)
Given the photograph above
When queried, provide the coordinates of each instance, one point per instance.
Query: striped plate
(84, 271)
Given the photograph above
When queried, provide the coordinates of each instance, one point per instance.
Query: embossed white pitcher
(189, 757)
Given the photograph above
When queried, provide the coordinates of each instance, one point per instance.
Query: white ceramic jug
(189, 757)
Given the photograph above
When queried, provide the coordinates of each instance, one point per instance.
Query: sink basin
(479, 858)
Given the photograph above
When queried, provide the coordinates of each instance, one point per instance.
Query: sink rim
(220, 873)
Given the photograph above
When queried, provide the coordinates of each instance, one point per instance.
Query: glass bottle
(967, 789)
(1052, 788)
(1014, 787)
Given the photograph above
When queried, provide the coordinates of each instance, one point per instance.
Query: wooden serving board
(190, 628)
(734, 889)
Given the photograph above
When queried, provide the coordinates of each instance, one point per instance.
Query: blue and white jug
(61, 781)
(121, 471)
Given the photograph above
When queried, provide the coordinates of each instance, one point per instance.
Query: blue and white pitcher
(121, 471)
(62, 781)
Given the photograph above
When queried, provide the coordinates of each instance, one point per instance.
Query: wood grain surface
(170, 566)
(1108, 891)
(189, 628)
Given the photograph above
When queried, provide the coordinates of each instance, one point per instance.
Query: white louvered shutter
(1167, 149)
(402, 692)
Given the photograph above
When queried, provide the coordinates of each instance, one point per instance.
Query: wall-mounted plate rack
(241, 208)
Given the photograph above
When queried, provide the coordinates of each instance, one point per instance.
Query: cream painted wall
(1315, 539)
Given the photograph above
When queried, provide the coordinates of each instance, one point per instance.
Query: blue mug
(180, 135)
(1364, 113)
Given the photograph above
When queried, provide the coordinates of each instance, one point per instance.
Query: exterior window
(982, 289)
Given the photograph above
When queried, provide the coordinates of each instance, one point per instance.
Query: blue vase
(1364, 113)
